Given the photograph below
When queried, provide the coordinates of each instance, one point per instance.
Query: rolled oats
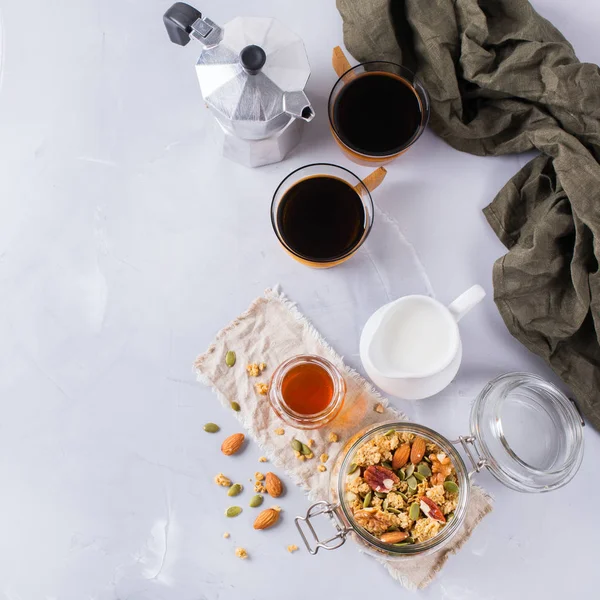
(241, 553)
(279, 431)
(322, 468)
(333, 437)
(220, 479)
(262, 389)
(253, 370)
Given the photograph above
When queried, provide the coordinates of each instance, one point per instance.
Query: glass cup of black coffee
(377, 110)
(322, 213)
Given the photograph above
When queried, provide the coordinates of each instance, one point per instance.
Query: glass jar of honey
(307, 391)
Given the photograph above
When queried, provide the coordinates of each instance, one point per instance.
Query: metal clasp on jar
(468, 444)
(332, 511)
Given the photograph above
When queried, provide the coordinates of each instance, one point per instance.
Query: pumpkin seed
(390, 432)
(401, 474)
(230, 358)
(403, 496)
(352, 468)
(412, 483)
(410, 470)
(233, 511)
(394, 511)
(380, 495)
(235, 489)
(384, 505)
(449, 517)
(386, 464)
(235, 406)
(394, 528)
(451, 487)
(413, 511)
(400, 544)
(449, 478)
(424, 470)
(296, 445)
(409, 540)
(306, 450)
(211, 428)
(427, 459)
(418, 476)
(256, 500)
(367, 500)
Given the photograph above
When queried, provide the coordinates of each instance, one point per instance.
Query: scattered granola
(263, 459)
(379, 408)
(241, 553)
(333, 437)
(220, 479)
(253, 370)
(262, 388)
(262, 366)
(226, 535)
(324, 458)
(259, 476)
(310, 443)
(413, 499)
(279, 431)
(292, 548)
(259, 488)
(322, 468)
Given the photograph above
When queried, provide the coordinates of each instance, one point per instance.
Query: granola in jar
(401, 488)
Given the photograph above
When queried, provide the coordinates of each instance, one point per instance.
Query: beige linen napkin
(272, 330)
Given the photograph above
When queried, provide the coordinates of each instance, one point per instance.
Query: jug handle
(339, 61)
(371, 181)
(466, 301)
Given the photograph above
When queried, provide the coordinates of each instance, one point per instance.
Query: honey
(307, 389)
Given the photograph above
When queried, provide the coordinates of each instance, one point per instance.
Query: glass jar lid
(527, 432)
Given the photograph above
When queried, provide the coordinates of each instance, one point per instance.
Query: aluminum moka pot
(252, 73)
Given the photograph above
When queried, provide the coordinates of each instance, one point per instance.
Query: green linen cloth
(502, 79)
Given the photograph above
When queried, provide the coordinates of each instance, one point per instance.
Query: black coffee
(377, 114)
(321, 218)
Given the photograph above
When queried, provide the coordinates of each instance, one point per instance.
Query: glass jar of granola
(401, 489)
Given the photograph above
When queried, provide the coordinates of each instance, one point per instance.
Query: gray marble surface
(126, 242)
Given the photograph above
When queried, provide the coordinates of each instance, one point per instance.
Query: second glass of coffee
(377, 110)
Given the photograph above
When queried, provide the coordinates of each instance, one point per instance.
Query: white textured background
(126, 242)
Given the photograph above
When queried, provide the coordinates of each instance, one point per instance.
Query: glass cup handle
(468, 444)
(372, 181)
(322, 508)
(339, 62)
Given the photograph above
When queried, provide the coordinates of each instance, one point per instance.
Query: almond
(232, 444)
(267, 518)
(393, 537)
(273, 485)
(401, 456)
(418, 451)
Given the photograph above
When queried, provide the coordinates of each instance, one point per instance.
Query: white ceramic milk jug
(411, 347)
